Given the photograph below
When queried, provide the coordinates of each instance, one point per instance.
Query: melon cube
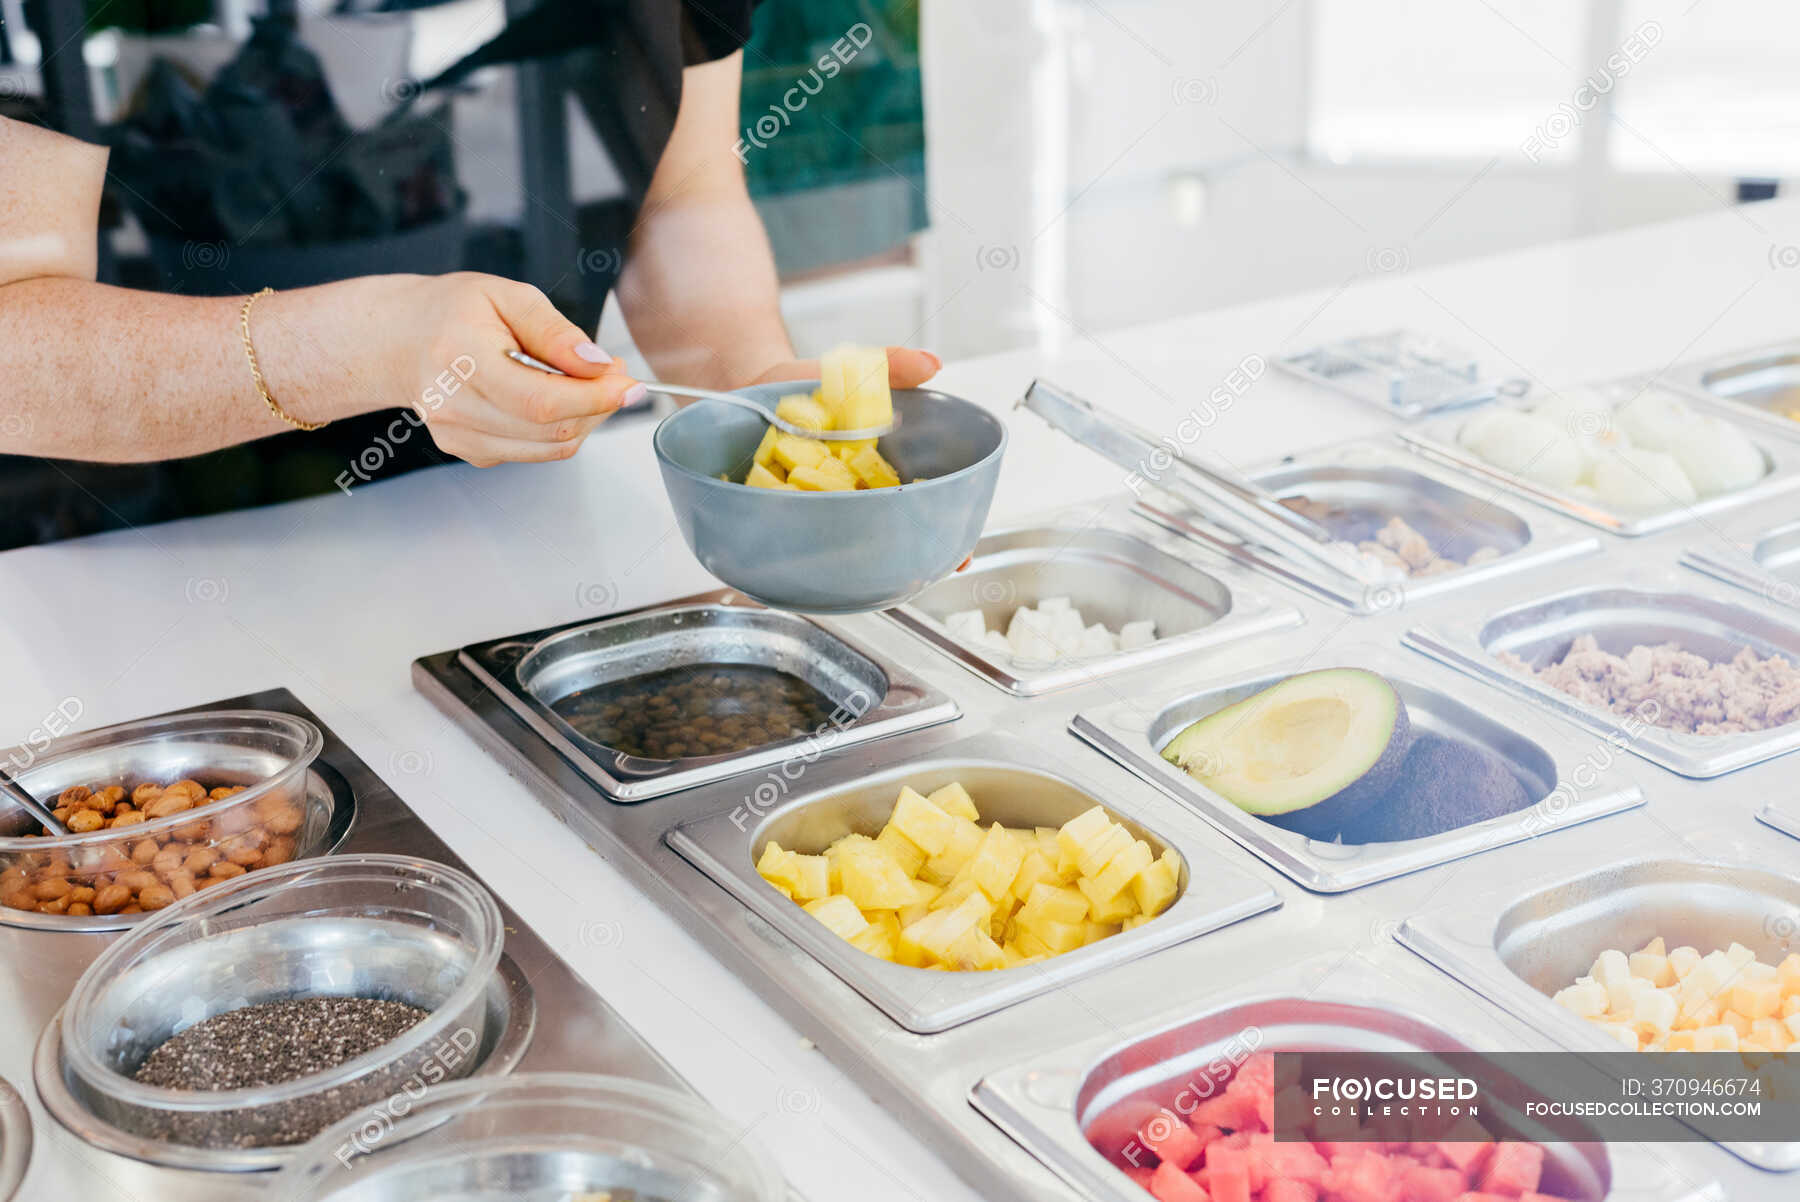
(1792, 1023)
(1769, 1032)
(1656, 1012)
(1719, 1038)
(1094, 932)
(839, 914)
(1589, 1000)
(872, 470)
(801, 410)
(1611, 968)
(792, 451)
(1683, 960)
(1739, 956)
(953, 799)
(919, 820)
(1755, 999)
(1788, 973)
(1652, 967)
(1682, 1041)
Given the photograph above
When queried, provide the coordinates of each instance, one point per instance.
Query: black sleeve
(712, 29)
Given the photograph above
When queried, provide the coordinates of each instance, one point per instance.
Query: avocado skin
(1444, 784)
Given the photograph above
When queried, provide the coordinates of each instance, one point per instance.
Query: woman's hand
(448, 337)
(907, 368)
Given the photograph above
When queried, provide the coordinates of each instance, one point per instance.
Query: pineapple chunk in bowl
(833, 552)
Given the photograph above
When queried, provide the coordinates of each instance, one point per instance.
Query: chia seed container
(383, 927)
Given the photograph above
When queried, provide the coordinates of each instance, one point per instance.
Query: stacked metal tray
(539, 1015)
(1760, 385)
(1370, 481)
(996, 1071)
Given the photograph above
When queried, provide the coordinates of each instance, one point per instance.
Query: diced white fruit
(1656, 1011)
(1683, 959)
(993, 640)
(966, 624)
(1737, 955)
(1652, 967)
(1627, 1037)
(1050, 605)
(1097, 640)
(1025, 618)
(1137, 634)
(1028, 642)
(1611, 968)
(1589, 1001)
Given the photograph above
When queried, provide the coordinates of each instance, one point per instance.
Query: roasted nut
(181, 884)
(61, 814)
(155, 897)
(168, 860)
(225, 869)
(74, 795)
(285, 821)
(81, 893)
(19, 899)
(279, 851)
(199, 860)
(79, 910)
(11, 879)
(133, 908)
(171, 802)
(220, 793)
(144, 850)
(109, 899)
(193, 788)
(241, 853)
(127, 818)
(138, 880)
(193, 832)
(54, 887)
(83, 821)
(54, 906)
(145, 793)
(108, 797)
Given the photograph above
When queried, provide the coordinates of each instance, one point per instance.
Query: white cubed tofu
(993, 640)
(1050, 605)
(1032, 643)
(1137, 634)
(1066, 623)
(1025, 618)
(967, 625)
(1589, 1000)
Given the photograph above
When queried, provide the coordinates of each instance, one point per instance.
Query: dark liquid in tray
(705, 709)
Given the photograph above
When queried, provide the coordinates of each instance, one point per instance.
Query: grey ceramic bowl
(833, 553)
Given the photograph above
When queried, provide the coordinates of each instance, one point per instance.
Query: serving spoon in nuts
(20, 797)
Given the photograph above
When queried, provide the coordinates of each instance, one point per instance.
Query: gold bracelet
(256, 372)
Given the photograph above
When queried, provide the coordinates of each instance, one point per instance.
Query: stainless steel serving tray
(1781, 816)
(1756, 556)
(1543, 757)
(1378, 475)
(1516, 946)
(1437, 440)
(1048, 1101)
(578, 1031)
(15, 1140)
(1111, 576)
(1642, 607)
(1014, 783)
(530, 671)
(1746, 382)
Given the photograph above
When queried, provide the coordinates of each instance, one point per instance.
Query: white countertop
(334, 597)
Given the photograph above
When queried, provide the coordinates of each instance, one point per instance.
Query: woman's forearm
(700, 291)
(94, 372)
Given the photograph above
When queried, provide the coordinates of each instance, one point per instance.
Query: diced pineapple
(872, 880)
(801, 410)
(792, 451)
(995, 862)
(1056, 902)
(839, 914)
(1094, 857)
(776, 866)
(812, 876)
(974, 950)
(762, 477)
(1094, 932)
(1077, 833)
(765, 450)
(853, 381)
(954, 799)
(939, 929)
(965, 837)
(1154, 887)
(1058, 937)
(1115, 908)
(901, 850)
(829, 475)
(872, 469)
(922, 822)
(1034, 866)
(846, 448)
(1114, 879)
(880, 938)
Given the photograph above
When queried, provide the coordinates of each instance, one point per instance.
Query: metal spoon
(707, 394)
(31, 805)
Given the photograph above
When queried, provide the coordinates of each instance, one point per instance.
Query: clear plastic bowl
(112, 875)
(534, 1137)
(379, 926)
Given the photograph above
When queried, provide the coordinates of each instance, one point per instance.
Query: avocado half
(1445, 783)
(1309, 754)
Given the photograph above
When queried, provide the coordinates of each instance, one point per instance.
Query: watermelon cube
(1478, 1196)
(1274, 1163)
(1169, 1136)
(1227, 1173)
(1329, 1127)
(1290, 1191)
(1422, 1183)
(1234, 1112)
(1513, 1169)
(1140, 1174)
(1170, 1184)
(1468, 1159)
(1366, 1178)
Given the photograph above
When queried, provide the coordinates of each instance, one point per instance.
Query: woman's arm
(94, 372)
